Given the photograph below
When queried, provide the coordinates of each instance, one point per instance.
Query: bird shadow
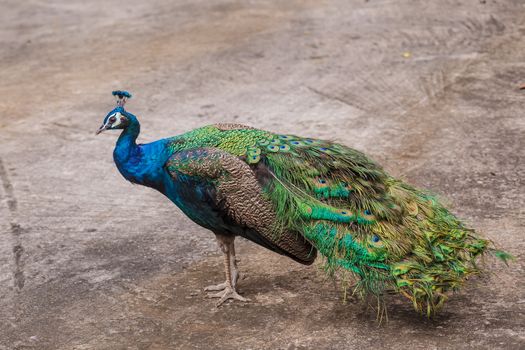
(326, 296)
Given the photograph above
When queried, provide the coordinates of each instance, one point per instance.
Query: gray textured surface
(88, 261)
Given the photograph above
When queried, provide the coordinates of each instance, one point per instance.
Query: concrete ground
(430, 89)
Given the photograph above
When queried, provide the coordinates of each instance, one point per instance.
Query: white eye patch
(119, 119)
(114, 120)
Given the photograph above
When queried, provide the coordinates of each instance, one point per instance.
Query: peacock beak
(102, 128)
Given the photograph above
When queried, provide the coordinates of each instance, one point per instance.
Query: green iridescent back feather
(391, 235)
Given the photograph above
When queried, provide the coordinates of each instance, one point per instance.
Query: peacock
(299, 196)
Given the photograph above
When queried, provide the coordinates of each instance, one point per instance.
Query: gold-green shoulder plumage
(232, 138)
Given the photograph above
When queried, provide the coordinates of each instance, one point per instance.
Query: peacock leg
(228, 288)
(226, 247)
(223, 245)
(233, 266)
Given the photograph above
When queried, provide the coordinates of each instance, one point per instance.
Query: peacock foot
(216, 287)
(227, 293)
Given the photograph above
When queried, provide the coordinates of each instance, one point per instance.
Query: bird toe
(216, 287)
(227, 294)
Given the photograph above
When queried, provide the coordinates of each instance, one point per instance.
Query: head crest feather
(121, 96)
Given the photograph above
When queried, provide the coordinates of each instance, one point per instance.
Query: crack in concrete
(332, 97)
(18, 250)
(16, 230)
(8, 188)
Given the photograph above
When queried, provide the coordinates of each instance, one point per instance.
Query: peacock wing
(228, 187)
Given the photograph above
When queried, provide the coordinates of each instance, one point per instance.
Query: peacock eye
(112, 119)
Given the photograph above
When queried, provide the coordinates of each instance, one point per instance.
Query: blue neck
(141, 164)
(127, 154)
(126, 147)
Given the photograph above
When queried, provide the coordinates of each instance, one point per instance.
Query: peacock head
(118, 118)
